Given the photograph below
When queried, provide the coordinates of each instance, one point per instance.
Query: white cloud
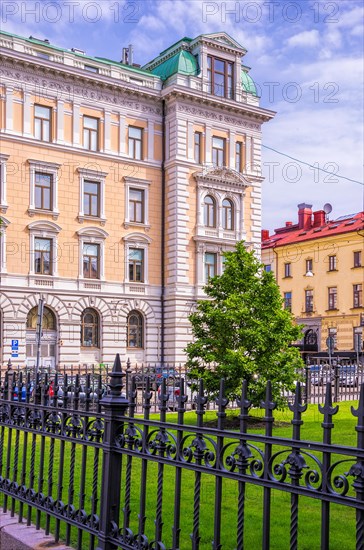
(304, 39)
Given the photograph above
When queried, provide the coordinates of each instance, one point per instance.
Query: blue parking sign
(15, 345)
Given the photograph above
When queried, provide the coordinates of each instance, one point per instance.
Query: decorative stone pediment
(221, 175)
(224, 39)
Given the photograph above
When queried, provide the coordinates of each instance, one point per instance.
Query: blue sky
(305, 56)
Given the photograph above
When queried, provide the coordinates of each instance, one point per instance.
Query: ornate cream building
(319, 266)
(121, 187)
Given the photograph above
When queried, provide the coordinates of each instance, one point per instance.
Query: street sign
(15, 344)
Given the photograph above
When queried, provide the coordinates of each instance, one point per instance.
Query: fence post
(114, 405)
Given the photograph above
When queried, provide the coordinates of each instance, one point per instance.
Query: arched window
(48, 321)
(90, 328)
(209, 212)
(227, 214)
(135, 330)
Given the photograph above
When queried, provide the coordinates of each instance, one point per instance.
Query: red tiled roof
(292, 234)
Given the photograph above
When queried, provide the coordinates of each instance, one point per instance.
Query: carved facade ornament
(64, 89)
(221, 175)
(212, 115)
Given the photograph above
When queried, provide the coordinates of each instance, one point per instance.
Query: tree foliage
(241, 331)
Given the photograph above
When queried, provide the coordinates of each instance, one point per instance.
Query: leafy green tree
(241, 331)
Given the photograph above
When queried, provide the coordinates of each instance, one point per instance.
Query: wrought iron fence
(122, 480)
(345, 375)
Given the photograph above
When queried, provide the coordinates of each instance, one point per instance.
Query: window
(288, 301)
(136, 205)
(308, 301)
(332, 298)
(92, 194)
(42, 256)
(135, 143)
(218, 151)
(135, 330)
(91, 198)
(92, 253)
(220, 77)
(43, 191)
(43, 187)
(42, 122)
(309, 266)
(358, 296)
(91, 133)
(332, 263)
(48, 319)
(197, 147)
(227, 215)
(136, 265)
(210, 265)
(267, 268)
(3, 203)
(209, 212)
(91, 69)
(357, 259)
(287, 269)
(90, 328)
(43, 247)
(3, 226)
(91, 261)
(239, 156)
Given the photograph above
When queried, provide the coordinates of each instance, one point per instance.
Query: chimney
(289, 224)
(304, 216)
(265, 235)
(319, 218)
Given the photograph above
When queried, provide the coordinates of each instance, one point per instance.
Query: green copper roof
(182, 62)
(248, 83)
(104, 60)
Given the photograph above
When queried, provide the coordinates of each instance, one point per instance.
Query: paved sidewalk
(17, 536)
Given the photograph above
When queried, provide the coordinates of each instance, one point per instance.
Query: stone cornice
(70, 85)
(199, 105)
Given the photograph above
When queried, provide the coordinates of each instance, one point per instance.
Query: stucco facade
(319, 266)
(103, 191)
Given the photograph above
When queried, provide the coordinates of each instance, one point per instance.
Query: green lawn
(342, 518)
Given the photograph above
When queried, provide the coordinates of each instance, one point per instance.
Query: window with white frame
(43, 188)
(210, 265)
(43, 247)
(135, 142)
(218, 151)
(135, 328)
(227, 215)
(209, 206)
(136, 265)
(3, 226)
(42, 122)
(43, 256)
(91, 133)
(92, 253)
(3, 203)
(136, 200)
(92, 195)
(136, 258)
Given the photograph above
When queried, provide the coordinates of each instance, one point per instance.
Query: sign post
(330, 342)
(38, 333)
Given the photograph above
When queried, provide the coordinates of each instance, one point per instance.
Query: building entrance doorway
(49, 338)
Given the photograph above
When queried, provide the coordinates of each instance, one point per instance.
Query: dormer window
(220, 77)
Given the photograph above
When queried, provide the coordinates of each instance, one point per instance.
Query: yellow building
(319, 266)
(121, 186)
